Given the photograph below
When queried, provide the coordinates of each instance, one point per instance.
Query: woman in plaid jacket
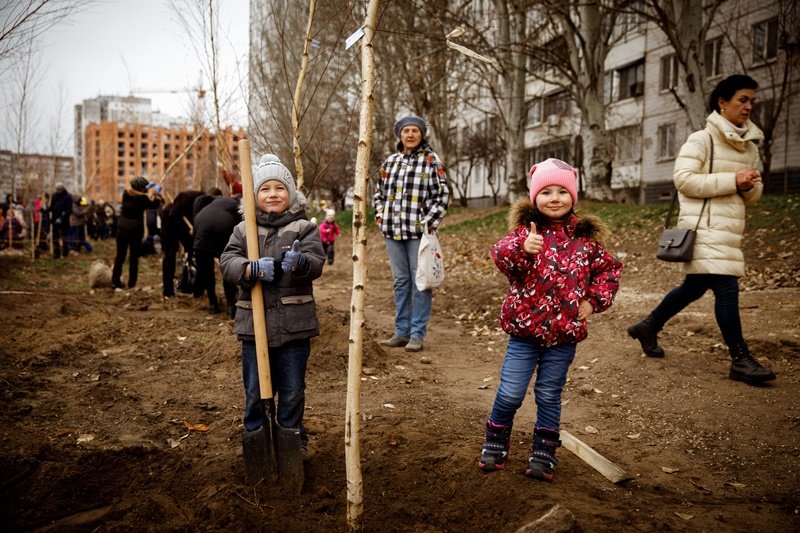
(412, 191)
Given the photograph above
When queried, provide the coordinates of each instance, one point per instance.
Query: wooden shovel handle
(253, 254)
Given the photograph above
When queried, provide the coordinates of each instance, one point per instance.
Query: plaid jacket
(412, 188)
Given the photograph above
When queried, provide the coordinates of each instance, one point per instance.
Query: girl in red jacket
(328, 231)
(559, 274)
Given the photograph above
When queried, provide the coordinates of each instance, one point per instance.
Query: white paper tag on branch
(353, 39)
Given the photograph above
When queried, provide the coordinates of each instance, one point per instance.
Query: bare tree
(577, 58)
(285, 41)
(24, 21)
(685, 24)
(200, 20)
(20, 118)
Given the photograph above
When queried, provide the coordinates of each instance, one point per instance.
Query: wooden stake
(610, 471)
(355, 487)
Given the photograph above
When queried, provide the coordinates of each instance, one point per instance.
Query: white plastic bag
(430, 262)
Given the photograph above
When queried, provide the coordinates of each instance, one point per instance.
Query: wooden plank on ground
(610, 470)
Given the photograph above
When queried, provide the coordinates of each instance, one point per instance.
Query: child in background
(290, 259)
(559, 274)
(328, 231)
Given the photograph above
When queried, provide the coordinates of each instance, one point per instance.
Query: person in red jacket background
(329, 230)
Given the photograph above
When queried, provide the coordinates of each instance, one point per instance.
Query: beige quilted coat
(718, 249)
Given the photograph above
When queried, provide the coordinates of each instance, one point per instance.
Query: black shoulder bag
(677, 245)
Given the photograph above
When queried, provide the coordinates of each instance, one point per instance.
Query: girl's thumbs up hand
(533, 242)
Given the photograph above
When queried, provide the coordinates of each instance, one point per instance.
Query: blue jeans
(287, 366)
(726, 303)
(522, 358)
(412, 308)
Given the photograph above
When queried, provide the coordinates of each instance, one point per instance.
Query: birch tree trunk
(355, 486)
(298, 95)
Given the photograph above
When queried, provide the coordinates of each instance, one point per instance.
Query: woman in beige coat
(718, 198)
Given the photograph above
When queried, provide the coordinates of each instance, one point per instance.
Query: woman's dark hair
(726, 88)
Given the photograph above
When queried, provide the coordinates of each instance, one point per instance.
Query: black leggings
(726, 303)
(127, 239)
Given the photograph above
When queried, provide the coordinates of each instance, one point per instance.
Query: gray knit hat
(270, 168)
(410, 120)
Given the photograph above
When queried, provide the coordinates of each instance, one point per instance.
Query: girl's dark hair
(726, 88)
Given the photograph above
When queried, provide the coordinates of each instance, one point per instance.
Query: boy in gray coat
(291, 257)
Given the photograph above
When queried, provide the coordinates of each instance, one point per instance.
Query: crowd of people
(65, 221)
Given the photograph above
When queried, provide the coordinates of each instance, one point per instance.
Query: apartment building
(34, 174)
(643, 116)
(116, 152)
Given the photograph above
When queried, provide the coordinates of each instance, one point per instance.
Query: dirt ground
(99, 389)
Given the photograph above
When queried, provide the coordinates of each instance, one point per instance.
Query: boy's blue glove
(262, 270)
(294, 259)
(158, 186)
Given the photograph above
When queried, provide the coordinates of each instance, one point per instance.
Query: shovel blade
(289, 452)
(258, 450)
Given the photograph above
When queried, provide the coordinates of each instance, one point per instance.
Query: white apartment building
(644, 118)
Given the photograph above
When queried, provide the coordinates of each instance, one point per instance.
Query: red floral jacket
(546, 288)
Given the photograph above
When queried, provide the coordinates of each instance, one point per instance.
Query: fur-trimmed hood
(523, 212)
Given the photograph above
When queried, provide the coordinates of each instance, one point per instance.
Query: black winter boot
(745, 367)
(646, 333)
(542, 462)
(495, 450)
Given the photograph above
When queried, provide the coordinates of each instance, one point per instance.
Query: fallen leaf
(590, 429)
(634, 435)
(483, 387)
(195, 427)
(669, 470)
(388, 406)
(594, 360)
(173, 443)
(685, 516)
(63, 432)
(583, 367)
(180, 338)
(487, 379)
(399, 367)
(86, 437)
(597, 391)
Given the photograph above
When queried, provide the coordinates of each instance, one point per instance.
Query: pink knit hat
(554, 172)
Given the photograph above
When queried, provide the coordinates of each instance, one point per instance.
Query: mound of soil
(122, 410)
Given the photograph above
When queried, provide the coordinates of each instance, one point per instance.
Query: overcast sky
(119, 46)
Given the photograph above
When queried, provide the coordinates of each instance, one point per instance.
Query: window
(626, 82)
(713, 53)
(625, 23)
(765, 41)
(558, 149)
(535, 112)
(555, 104)
(666, 141)
(669, 72)
(627, 143)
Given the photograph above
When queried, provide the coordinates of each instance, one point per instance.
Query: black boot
(646, 333)
(745, 367)
(495, 450)
(542, 462)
